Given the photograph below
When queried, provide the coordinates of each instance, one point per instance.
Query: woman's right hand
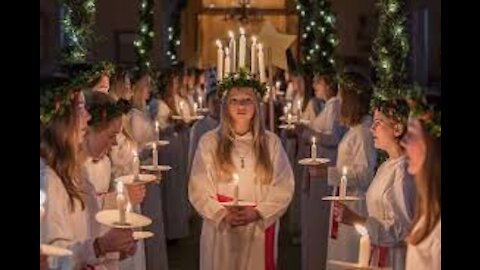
(115, 240)
(233, 218)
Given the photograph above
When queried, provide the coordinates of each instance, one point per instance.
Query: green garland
(78, 21)
(144, 43)
(427, 113)
(240, 79)
(319, 37)
(55, 97)
(390, 50)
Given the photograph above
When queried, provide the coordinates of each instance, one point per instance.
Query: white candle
(365, 243)
(195, 108)
(155, 155)
(285, 110)
(233, 51)
(42, 211)
(121, 203)
(136, 166)
(227, 65)
(157, 132)
(242, 49)
(313, 149)
(299, 107)
(261, 63)
(236, 190)
(181, 108)
(253, 56)
(289, 119)
(343, 182)
(219, 60)
(200, 105)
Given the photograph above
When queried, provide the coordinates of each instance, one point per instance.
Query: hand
(128, 253)
(233, 218)
(248, 215)
(43, 261)
(349, 217)
(136, 193)
(115, 240)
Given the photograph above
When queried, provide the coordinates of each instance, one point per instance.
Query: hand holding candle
(364, 250)
(343, 182)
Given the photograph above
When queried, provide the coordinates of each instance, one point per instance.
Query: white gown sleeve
(201, 189)
(362, 159)
(398, 204)
(56, 229)
(281, 188)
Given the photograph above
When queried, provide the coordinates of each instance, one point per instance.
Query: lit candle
(261, 63)
(285, 110)
(136, 166)
(242, 48)
(278, 84)
(313, 149)
(157, 132)
(200, 105)
(299, 107)
(42, 211)
(343, 182)
(155, 155)
(195, 108)
(253, 56)
(181, 108)
(227, 63)
(236, 190)
(365, 243)
(219, 60)
(233, 51)
(121, 203)
(289, 120)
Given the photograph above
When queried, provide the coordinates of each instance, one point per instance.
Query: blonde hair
(118, 88)
(137, 99)
(223, 160)
(428, 184)
(61, 150)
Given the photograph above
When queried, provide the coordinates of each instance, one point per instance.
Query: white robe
(176, 209)
(151, 253)
(241, 248)
(427, 255)
(75, 230)
(142, 127)
(196, 132)
(390, 204)
(357, 152)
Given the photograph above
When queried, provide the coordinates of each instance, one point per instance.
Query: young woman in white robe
(244, 237)
(357, 153)
(140, 130)
(423, 148)
(328, 131)
(102, 135)
(390, 197)
(176, 208)
(71, 203)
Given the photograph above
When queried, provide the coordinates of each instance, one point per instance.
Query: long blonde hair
(137, 99)
(61, 150)
(223, 158)
(428, 183)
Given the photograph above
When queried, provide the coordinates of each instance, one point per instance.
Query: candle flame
(362, 230)
(254, 39)
(344, 170)
(227, 51)
(236, 178)
(230, 34)
(219, 43)
(156, 125)
(242, 31)
(43, 197)
(314, 140)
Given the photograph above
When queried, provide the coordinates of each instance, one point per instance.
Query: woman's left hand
(248, 215)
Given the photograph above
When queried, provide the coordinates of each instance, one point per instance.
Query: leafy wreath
(241, 79)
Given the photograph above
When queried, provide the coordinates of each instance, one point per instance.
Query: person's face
(128, 89)
(384, 131)
(201, 79)
(106, 138)
(415, 146)
(114, 129)
(241, 105)
(83, 116)
(103, 85)
(145, 91)
(320, 88)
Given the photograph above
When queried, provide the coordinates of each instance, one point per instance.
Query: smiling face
(241, 105)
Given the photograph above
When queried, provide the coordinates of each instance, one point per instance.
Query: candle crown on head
(240, 79)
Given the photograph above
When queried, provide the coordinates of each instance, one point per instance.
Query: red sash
(269, 239)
